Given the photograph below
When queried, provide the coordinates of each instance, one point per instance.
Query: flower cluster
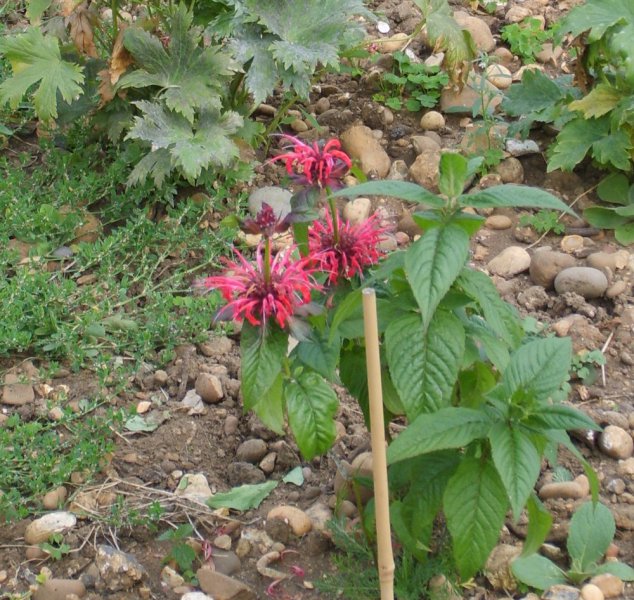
(266, 222)
(321, 164)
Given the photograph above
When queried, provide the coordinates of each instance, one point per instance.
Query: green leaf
(36, 9)
(411, 192)
(243, 497)
(624, 234)
(432, 264)
(424, 364)
(184, 556)
(294, 476)
(319, 354)
(539, 523)
(619, 569)
(262, 355)
(539, 367)
(517, 462)
(451, 427)
(604, 218)
(453, 174)
(538, 572)
(600, 101)
(597, 17)
(575, 140)
(270, 406)
(311, 406)
(511, 195)
(560, 416)
(591, 531)
(535, 93)
(613, 150)
(614, 188)
(138, 424)
(36, 60)
(188, 78)
(493, 347)
(474, 505)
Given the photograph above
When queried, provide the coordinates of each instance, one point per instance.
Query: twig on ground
(605, 347)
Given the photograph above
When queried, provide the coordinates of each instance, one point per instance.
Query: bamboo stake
(379, 460)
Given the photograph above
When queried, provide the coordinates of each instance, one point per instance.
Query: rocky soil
(578, 285)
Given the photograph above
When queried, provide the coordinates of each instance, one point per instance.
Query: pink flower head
(266, 222)
(355, 248)
(320, 163)
(256, 291)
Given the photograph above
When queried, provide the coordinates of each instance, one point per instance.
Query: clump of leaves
(526, 39)
(616, 190)
(411, 85)
(181, 553)
(584, 366)
(543, 221)
(591, 531)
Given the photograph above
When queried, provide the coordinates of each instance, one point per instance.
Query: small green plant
(55, 547)
(591, 531)
(543, 221)
(411, 85)
(181, 553)
(526, 38)
(584, 366)
(615, 189)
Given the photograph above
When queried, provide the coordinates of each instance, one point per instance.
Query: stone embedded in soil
(160, 377)
(423, 143)
(59, 589)
(223, 587)
(626, 467)
(432, 121)
(194, 486)
(319, 514)
(515, 14)
(511, 261)
(499, 76)
(357, 211)
(171, 578)
(55, 498)
(479, 30)
(193, 403)
(252, 450)
(239, 473)
(41, 529)
(616, 442)
(278, 198)
(361, 145)
(209, 388)
(591, 592)
(521, 147)
(425, 170)
(498, 567)
(561, 592)
(297, 519)
(462, 101)
(226, 562)
(611, 260)
(361, 467)
(118, 571)
(585, 281)
(624, 516)
(498, 222)
(16, 393)
(561, 489)
(609, 584)
(533, 298)
(393, 44)
(510, 170)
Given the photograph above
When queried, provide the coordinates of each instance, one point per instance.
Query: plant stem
(267, 260)
(333, 211)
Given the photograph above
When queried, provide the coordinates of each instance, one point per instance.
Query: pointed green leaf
(591, 531)
(614, 188)
(538, 572)
(474, 505)
(493, 347)
(624, 234)
(243, 497)
(517, 461)
(36, 9)
(512, 195)
(453, 174)
(424, 364)
(539, 523)
(619, 569)
(560, 416)
(451, 427)
(311, 405)
(270, 406)
(261, 360)
(411, 192)
(603, 217)
(318, 354)
(432, 264)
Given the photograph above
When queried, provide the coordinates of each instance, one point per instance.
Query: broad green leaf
(624, 234)
(262, 356)
(349, 308)
(614, 150)
(138, 424)
(575, 140)
(538, 572)
(424, 364)
(294, 476)
(517, 462)
(411, 192)
(36, 9)
(615, 188)
(188, 77)
(453, 174)
(36, 61)
(270, 406)
(243, 497)
(603, 217)
(319, 355)
(600, 101)
(311, 405)
(500, 316)
(625, 211)
(474, 382)
(539, 367)
(597, 17)
(511, 195)
(474, 504)
(619, 569)
(432, 264)
(536, 92)
(539, 523)
(184, 556)
(451, 427)
(487, 341)
(560, 416)
(591, 531)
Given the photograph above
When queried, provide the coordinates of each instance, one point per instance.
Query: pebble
(591, 592)
(319, 514)
(423, 143)
(16, 393)
(240, 472)
(425, 170)
(231, 424)
(499, 76)
(585, 281)
(196, 596)
(516, 14)
(88, 231)
(299, 126)
(357, 211)
(521, 147)
(616, 442)
(278, 198)
(510, 170)
(361, 145)
(511, 261)
(299, 522)
(209, 388)
(194, 486)
(571, 243)
(615, 486)
(609, 584)
(226, 562)
(252, 451)
(626, 467)
(479, 30)
(171, 578)
(547, 264)
(561, 489)
(160, 377)
(393, 44)
(561, 592)
(143, 406)
(432, 121)
(223, 587)
(611, 260)
(193, 402)
(498, 222)
(55, 498)
(59, 589)
(223, 542)
(118, 570)
(616, 289)
(463, 101)
(498, 567)
(41, 529)
(267, 464)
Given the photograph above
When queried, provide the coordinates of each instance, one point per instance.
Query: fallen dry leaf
(120, 60)
(106, 89)
(68, 7)
(81, 32)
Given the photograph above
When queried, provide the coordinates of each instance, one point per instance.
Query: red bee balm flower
(323, 164)
(347, 249)
(257, 292)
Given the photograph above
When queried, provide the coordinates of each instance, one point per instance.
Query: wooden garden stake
(379, 460)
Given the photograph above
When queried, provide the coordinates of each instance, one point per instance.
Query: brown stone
(223, 587)
(16, 393)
